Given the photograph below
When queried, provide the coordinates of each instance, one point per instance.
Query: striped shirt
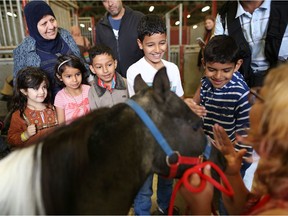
(228, 106)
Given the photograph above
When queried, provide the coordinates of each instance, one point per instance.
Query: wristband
(23, 137)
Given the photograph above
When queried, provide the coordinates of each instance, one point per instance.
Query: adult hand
(31, 130)
(199, 203)
(224, 144)
(199, 110)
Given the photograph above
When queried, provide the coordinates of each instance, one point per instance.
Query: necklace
(81, 102)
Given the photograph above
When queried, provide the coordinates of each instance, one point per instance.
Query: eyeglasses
(254, 95)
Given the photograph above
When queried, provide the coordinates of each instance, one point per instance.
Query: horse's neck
(123, 161)
(118, 160)
(119, 179)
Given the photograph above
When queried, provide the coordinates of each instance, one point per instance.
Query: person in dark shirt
(117, 29)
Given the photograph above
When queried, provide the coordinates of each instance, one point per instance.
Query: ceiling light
(10, 14)
(82, 25)
(188, 16)
(195, 26)
(177, 22)
(151, 8)
(206, 8)
(89, 29)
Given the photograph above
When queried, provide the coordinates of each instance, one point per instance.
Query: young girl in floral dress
(72, 101)
(33, 115)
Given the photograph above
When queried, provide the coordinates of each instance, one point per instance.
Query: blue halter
(151, 126)
(156, 133)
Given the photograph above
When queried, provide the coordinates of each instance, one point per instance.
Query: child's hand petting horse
(199, 203)
(224, 144)
(199, 110)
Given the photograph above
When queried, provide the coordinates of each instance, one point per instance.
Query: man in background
(117, 29)
(260, 30)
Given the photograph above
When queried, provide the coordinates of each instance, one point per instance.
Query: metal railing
(87, 26)
(168, 25)
(11, 23)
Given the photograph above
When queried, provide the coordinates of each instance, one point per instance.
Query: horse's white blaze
(20, 191)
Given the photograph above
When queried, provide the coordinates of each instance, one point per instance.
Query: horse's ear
(161, 84)
(139, 83)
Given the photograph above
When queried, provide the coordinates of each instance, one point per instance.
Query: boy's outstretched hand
(199, 203)
(199, 110)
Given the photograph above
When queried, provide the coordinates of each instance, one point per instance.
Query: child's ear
(23, 91)
(140, 44)
(115, 62)
(238, 65)
(203, 63)
(92, 69)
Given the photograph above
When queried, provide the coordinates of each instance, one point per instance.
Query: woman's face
(209, 24)
(48, 27)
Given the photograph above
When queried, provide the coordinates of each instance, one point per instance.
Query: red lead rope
(225, 188)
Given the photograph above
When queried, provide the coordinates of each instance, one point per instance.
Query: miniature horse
(97, 164)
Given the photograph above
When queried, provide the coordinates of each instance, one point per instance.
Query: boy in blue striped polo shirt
(223, 94)
(222, 97)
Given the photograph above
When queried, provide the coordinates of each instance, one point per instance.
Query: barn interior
(185, 18)
(185, 25)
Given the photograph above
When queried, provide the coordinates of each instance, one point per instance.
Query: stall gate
(87, 26)
(186, 57)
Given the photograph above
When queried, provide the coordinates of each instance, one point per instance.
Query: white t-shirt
(148, 72)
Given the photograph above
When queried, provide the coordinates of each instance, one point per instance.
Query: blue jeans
(143, 203)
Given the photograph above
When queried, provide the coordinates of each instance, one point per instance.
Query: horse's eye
(201, 124)
(197, 125)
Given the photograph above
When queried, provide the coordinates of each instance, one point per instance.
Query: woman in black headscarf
(45, 44)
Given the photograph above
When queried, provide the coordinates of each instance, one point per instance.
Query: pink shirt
(74, 107)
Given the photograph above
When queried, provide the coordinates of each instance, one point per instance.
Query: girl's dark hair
(70, 61)
(100, 49)
(222, 49)
(150, 24)
(29, 77)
